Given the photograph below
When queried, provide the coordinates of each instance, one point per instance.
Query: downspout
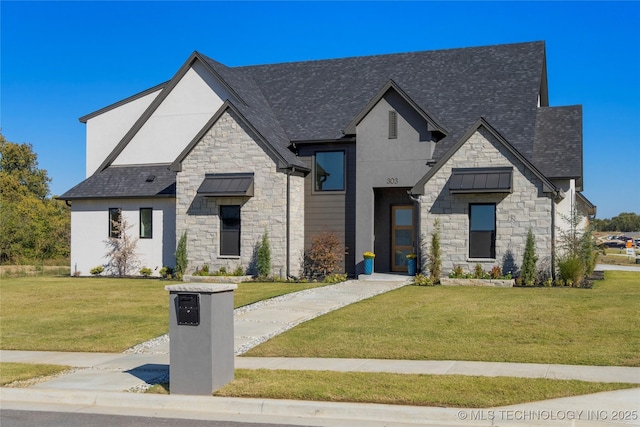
(553, 235)
(288, 266)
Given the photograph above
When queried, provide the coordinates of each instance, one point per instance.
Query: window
(115, 222)
(393, 125)
(230, 230)
(146, 223)
(482, 231)
(329, 171)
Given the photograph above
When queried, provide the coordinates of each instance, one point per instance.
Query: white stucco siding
(106, 130)
(565, 207)
(182, 114)
(90, 231)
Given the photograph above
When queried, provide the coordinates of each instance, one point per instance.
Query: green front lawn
(400, 389)
(96, 314)
(598, 326)
(12, 372)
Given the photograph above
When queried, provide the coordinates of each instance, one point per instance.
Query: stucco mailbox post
(201, 337)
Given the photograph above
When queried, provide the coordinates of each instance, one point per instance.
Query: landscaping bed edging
(499, 283)
(216, 279)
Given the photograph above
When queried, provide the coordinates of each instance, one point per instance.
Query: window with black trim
(329, 171)
(146, 223)
(393, 125)
(482, 230)
(115, 222)
(230, 230)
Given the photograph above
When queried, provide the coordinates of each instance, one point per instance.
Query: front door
(401, 236)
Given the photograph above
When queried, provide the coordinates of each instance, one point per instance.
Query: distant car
(614, 244)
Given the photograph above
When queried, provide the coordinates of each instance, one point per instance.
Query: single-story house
(373, 149)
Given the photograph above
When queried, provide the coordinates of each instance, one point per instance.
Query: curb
(229, 408)
(556, 412)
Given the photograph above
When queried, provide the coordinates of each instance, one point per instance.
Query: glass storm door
(401, 236)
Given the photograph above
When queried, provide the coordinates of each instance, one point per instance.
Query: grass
(96, 314)
(598, 326)
(401, 389)
(12, 372)
(616, 257)
(547, 325)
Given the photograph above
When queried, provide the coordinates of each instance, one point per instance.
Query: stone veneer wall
(526, 207)
(229, 147)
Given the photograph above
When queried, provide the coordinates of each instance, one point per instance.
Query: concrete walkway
(609, 267)
(99, 382)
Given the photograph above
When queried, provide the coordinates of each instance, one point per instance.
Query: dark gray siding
(327, 211)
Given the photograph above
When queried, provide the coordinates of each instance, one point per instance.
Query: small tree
(181, 256)
(577, 251)
(434, 258)
(529, 259)
(263, 257)
(121, 249)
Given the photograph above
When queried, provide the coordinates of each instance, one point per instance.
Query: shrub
(166, 272)
(181, 256)
(495, 272)
(457, 272)
(434, 258)
(238, 271)
(422, 280)
(97, 270)
(478, 273)
(571, 270)
(145, 271)
(529, 259)
(263, 257)
(324, 257)
(335, 278)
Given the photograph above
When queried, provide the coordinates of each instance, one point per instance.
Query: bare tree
(121, 249)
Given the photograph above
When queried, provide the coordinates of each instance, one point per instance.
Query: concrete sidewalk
(122, 372)
(97, 388)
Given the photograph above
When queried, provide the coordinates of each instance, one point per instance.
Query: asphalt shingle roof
(317, 100)
(126, 181)
(257, 110)
(558, 141)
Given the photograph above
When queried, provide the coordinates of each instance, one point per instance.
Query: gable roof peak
(418, 189)
(434, 125)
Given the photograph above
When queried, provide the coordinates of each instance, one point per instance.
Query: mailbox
(188, 309)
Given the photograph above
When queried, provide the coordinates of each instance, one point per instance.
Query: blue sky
(62, 60)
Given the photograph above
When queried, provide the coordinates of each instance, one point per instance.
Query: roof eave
(122, 102)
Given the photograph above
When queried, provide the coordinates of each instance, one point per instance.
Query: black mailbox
(188, 309)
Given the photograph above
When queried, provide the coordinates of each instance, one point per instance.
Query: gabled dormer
(427, 126)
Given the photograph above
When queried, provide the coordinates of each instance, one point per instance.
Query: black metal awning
(227, 185)
(481, 180)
